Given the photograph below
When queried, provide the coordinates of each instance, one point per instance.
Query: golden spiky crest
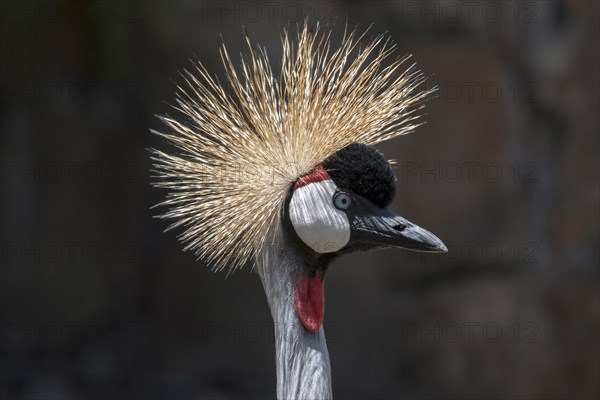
(239, 152)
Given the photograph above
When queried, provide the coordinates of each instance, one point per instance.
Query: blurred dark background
(96, 302)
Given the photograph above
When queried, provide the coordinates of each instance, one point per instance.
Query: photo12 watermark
(465, 171)
(70, 92)
(71, 11)
(468, 332)
(258, 332)
(467, 12)
(482, 92)
(254, 12)
(70, 172)
(69, 252)
(13, 333)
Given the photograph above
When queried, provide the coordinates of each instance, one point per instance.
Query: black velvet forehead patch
(363, 170)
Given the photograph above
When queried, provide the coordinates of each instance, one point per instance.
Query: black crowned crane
(278, 172)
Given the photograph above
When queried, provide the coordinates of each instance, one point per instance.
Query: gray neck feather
(303, 368)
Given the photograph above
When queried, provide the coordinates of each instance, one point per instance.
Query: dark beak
(380, 227)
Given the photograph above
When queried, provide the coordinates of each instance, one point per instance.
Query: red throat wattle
(310, 300)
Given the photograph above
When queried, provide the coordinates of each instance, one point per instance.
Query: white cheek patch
(319, 224)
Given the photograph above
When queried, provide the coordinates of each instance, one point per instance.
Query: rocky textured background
(96, 302)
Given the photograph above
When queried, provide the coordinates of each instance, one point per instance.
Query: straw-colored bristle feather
(238, 153)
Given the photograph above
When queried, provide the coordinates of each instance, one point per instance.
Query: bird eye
(342, 201)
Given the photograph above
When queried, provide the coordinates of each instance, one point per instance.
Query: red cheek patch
(310, 300)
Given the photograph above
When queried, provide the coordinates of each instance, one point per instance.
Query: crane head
(342, 206)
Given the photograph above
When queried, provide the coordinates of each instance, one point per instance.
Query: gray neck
(303, 368)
